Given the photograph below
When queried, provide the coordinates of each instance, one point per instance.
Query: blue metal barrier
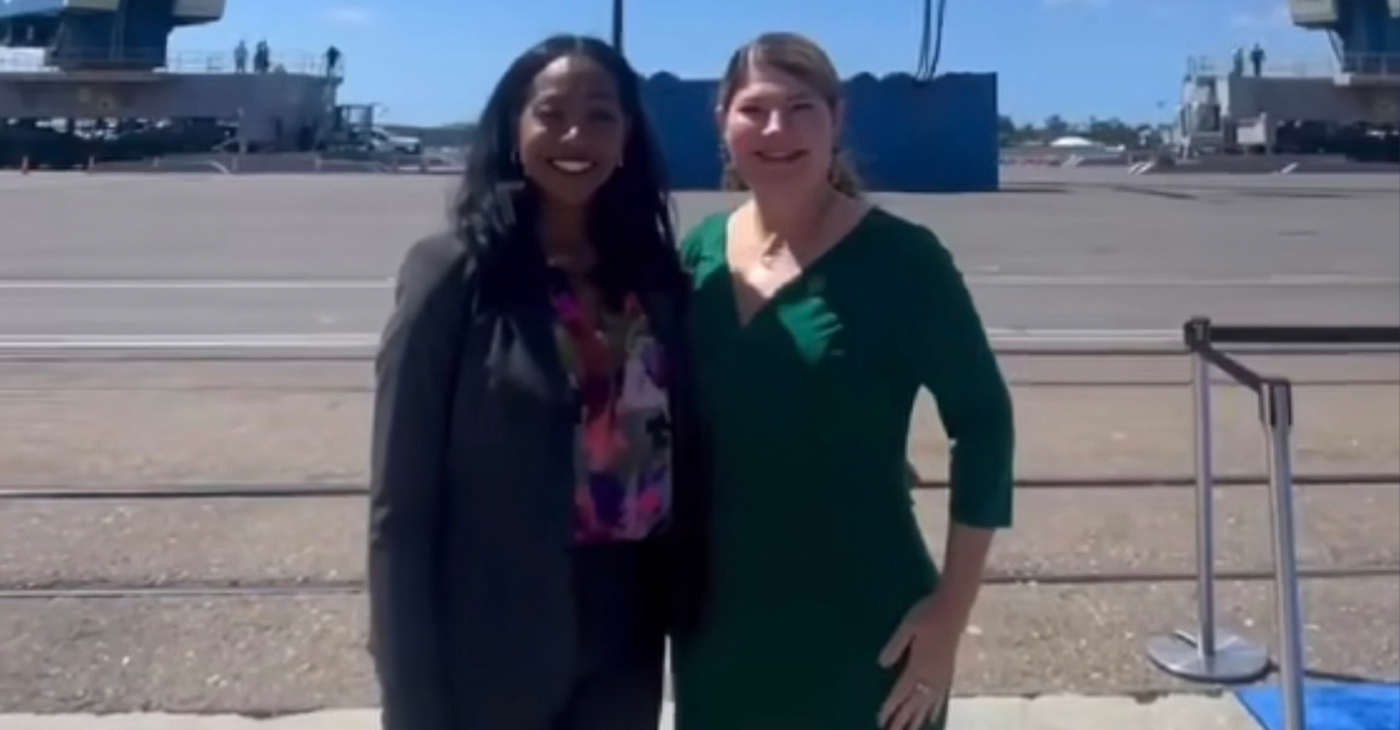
(901, 135)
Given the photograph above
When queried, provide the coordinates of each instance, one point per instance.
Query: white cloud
(349, 15)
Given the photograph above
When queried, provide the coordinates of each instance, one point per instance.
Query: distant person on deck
(332, 61)
(262, 58)
(1256, 59)
(240, 58)
(535, 463)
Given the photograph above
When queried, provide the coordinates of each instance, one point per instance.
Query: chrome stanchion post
(1276, 404)
(1205, 503)
(1206, 655)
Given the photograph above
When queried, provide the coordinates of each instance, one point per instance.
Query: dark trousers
(622, 641)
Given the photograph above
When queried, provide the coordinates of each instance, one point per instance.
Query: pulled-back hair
(801, 58)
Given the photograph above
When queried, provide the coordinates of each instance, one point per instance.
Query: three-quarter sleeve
(953, 358)
(415, 371)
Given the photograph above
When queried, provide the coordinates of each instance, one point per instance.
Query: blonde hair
(799, 57)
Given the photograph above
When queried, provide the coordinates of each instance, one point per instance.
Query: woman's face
(572, 130)
(779, 132)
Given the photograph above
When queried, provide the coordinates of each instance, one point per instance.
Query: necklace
(578, 262)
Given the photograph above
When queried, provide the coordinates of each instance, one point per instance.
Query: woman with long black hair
(535, 496)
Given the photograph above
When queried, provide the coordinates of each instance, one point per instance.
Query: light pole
(617, 25)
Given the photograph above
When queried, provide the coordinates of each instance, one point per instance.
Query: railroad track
(165, 600)
(253, 353)
(185, 492)
(318, 586)
(303, 586)
(366, 389)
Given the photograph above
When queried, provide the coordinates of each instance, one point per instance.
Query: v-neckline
(732, 277)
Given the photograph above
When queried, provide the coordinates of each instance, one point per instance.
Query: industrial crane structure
(930, 44)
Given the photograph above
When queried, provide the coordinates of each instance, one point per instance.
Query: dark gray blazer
(471, 507)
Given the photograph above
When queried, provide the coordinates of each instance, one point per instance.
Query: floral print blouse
(619, 374)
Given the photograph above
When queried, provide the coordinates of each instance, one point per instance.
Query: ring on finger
(923, 689)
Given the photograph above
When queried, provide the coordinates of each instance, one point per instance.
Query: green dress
(816, 552)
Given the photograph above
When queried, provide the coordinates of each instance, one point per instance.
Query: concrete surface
(1180, 712)
(252, 606)
(298, 650)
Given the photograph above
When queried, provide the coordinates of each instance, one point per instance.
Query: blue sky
(433, 61)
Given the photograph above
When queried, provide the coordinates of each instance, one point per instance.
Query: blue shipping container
(902, 135)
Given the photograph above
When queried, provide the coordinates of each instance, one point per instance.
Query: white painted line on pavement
(1082, 335)
(191, 284)
(1008, 280)
(358, 340)
(188, 342)
(1305, 280)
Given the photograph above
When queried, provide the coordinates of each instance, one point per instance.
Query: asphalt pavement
(312, 257)
(139, 317)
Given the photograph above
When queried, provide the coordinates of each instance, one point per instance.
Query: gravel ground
(287, 654)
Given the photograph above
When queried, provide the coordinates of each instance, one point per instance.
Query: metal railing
(1197, 66)
(1372, 64)
(1210, 654)
(184, 61)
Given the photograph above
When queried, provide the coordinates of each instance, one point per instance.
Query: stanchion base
(1235, 660)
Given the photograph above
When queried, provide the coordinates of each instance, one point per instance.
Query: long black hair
(497, 209)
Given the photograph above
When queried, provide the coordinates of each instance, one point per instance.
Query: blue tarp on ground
(1330, 706)
(902, 135)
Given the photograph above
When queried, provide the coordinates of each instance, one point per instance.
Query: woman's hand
(927, 640)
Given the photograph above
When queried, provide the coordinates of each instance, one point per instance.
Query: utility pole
(617, 25)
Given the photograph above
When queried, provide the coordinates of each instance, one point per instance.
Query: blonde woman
(816, 318)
